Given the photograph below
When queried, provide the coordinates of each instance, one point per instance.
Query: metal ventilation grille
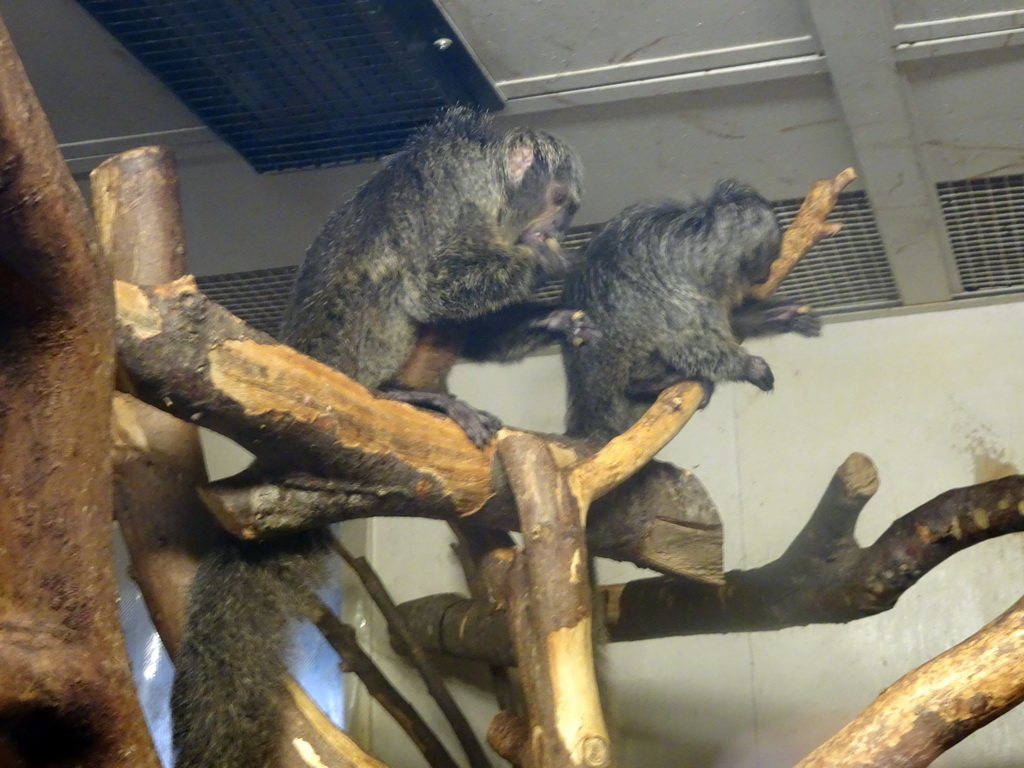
(848, 271)
(845, 272)
(258, 297)
(303, 83)
(985, 221)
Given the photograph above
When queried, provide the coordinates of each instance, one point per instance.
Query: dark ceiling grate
(985, 221)
(303, 83)
(258, 297)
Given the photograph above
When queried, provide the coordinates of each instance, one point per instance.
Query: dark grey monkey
(465, 222)
(425, 264)
(664, 282)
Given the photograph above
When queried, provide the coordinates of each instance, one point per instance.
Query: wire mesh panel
(258, 297)
(842, 273)
(302, 83)
(985, 221)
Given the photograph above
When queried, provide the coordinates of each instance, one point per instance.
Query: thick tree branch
(937, 705)
(551, 612)
(71, 698)
(823, 577)
(157, 458)
(189, 356)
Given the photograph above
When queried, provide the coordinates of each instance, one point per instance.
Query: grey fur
(661, 281)
(449, 233)
(435, 236)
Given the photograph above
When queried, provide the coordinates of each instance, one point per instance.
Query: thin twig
(342, 639)
(431, 677)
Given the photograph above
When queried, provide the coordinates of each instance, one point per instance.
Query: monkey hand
(805, 321)
(774, 316)
(572, 324)
(759, 374)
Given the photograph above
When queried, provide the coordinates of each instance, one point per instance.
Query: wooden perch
(67, 695)
(547, 585)
(937, 705)
(823, 577)
(807, 230)
(191, 357)
(157, 459)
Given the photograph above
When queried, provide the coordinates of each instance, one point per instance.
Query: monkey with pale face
(434, 258)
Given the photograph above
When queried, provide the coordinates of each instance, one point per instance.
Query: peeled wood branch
(191, 357)
(550, 612)
(806, 230)
(937, 705)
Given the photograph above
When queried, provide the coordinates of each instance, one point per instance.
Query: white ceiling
(659, 97)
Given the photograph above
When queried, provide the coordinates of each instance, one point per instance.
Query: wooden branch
(189, 356)
(621, 458)
(824, 577)
(342, 639)
(158, 460)
(414, 652)
(550, 606)
(937, 705)
(56, 381)
(806, 230)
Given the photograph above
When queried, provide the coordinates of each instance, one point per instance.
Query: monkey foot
(478, 425)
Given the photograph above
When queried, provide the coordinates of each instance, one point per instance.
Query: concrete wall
(934, 399)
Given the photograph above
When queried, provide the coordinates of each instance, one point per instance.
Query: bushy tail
(228, 683)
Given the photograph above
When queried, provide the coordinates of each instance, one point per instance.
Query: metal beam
(858, 38)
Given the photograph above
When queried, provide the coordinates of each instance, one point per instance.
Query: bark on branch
(191, 357)
(939, 704)
(823, 577)
(158, 461)
(67, 695)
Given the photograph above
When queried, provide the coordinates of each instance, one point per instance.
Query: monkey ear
(518, 159)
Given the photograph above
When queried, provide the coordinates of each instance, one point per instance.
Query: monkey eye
(559, 197)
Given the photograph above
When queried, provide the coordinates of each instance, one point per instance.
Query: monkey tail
(229, 673)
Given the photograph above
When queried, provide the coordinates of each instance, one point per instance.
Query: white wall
(934, 399)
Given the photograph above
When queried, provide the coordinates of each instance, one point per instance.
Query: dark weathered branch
(67, 693)
(399, 628)
(823, 577)
(937, 705)
(187, 355)
(158, 461)
(342, 639)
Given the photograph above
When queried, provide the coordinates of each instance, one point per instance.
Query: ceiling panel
(530, 47)
(920, 11)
